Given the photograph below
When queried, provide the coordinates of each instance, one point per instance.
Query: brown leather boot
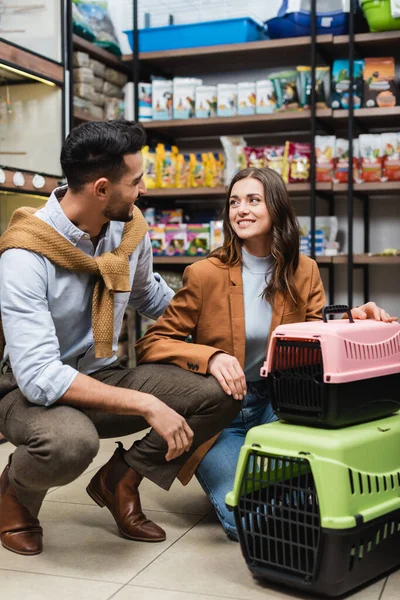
(116, 486)
(19, 531)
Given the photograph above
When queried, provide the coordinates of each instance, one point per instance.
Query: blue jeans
(216, 471)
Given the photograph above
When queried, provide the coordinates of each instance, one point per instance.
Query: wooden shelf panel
(376, 189)
(372, 44)
(26, 61)
(342, 259)
(216, 126)
(51, 183)
(99, 54)
(82, 116)
(217, 192)
(373, 117)
(231, 57)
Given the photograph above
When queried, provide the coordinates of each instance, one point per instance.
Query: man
(67, 274)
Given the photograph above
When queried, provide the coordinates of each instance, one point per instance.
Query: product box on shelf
(325, 157)
(198, 239)
(157, 238)
(379, 82)
(370, 157)
(246, 98)
(216, 234)
(145, 102)
(173, 216)
(342, 161)
(285, 87)
(391, 156)
(184, 97)
(265, 97)
(322, 86)
(175, 239)
(227, 99)
(206, 101)
(341, 84)
(162, 99)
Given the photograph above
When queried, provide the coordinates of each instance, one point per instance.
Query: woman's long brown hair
(285, 235)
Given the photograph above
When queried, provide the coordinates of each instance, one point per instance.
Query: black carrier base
(345, 558)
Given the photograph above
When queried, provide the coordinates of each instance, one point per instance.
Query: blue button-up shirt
(47, 311)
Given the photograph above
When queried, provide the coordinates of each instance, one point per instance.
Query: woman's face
(248, 212)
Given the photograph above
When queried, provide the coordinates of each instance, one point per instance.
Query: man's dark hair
(94, 150)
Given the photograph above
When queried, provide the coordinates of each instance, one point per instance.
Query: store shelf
(294, 189)
(81, 116)
(373, 189)
(51, 183)
(368, 43)
(368, 259)
(99, 54)
(216, 126)
(176, 260)
(372, 117)
(231, 57)
(16, 57)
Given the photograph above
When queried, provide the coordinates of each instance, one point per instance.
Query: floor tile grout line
(74, 577)
(144, 508)
(149, 587)
(383, 588)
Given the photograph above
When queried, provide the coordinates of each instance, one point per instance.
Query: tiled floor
(85, 558)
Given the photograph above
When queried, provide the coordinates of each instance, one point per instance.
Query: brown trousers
(56, 444)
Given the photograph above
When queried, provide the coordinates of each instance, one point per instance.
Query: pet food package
(167, 165)
(150, 175)
(81, 59)
(157, 238)
(99, 99)
(216, 234)
(109, 89)
(265, 97)
(172, 216)
(370, 157)
(342, 161)
(98, 68)
(115, 77)
(391, 156)
(184, 97)
(162, 99)
(214, 169)
(325, 157)
(98, 84)
(183, 171)
(85, 90)
(274, 158)
(285, 87)
(175, 239)
(379, 83)
(83, 75)
(198, 239)
(246, 98)
(341, 84)
(296, 164)
(206, 101)
(145, 102)
(149, 214)
(113, 108)
(235, 157)
(255, 157)
(227, 99)
(197, 171)
(322, 76)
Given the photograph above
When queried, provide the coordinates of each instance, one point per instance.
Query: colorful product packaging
(391, 156)
(145, 102)
(342, 161)
(167, 165)
(162, 100)
(184, 91)
(198, 239)
(379, 82)
(173, 216)
(206, 101)
(216, 234)
(227, 99)
(175, 240)
(325, 157)
(265, 97)
(341, 84)
(246, 100)
(197, 170)
(370, 157)
(274, 158)
(285, 88)
(150, 170)
(322, 75)
(255, 157)
(296, 164)
(183, 171)
(157, 238)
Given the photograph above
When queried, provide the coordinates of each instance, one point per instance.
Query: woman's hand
(227, 371)
(372, 311)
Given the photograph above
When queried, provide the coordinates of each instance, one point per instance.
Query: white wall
(34, 127)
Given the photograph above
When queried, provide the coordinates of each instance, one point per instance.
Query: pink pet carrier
(334, 373)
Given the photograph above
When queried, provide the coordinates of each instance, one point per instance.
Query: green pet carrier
(319, 510)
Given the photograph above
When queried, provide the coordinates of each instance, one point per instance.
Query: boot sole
(21, 553)
(122, 534)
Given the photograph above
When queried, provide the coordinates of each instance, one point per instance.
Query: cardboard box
(162, 100)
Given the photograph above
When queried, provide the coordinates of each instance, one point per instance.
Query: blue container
(210, 33)
(299, 23)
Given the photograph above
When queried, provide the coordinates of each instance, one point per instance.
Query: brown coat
(210, 307)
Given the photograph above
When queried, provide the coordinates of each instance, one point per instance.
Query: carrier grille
(356, 351)
(364, 546)
(278, 514)
(297, 377)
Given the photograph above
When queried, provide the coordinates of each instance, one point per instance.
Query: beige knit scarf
(111, 269)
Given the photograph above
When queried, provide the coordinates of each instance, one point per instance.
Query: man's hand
(372, 311)
(227, 371)
(171, 426)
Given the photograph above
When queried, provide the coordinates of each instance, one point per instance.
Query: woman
(230, 303)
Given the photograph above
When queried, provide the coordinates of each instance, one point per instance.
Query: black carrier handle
(336, 309)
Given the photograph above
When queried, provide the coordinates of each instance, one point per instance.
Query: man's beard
(116, 211)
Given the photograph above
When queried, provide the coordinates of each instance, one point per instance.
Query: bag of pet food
(370, 157)
(150, 175)
(296, 164)
(274, 158)
(255, 158)
(325, 157)
(342, 161)
(391, 156)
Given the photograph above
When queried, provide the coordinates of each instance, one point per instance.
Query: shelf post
(135, 62)
(313, 199)
(350, 185)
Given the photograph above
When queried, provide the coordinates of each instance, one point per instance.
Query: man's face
(124, 194)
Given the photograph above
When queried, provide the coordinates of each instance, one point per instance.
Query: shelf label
(18, 179)
(38, 181)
